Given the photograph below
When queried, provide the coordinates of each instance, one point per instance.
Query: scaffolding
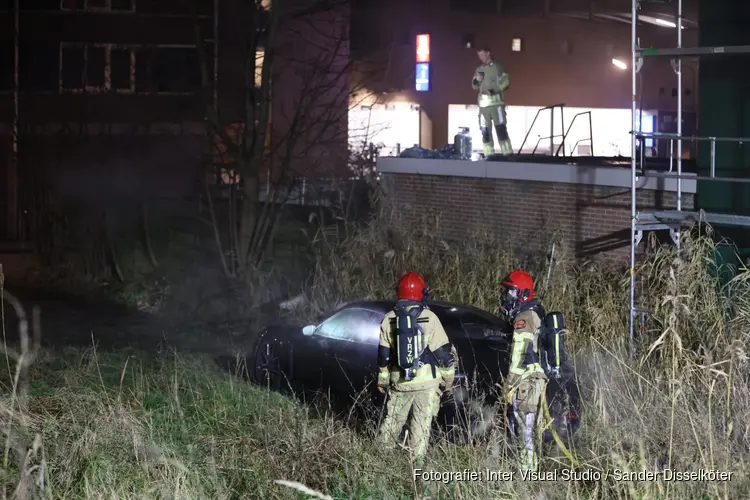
(674, 220)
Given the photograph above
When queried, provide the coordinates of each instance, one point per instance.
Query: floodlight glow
(619, 64)
(662, 22)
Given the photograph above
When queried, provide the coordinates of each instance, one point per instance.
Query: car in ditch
(339, 356)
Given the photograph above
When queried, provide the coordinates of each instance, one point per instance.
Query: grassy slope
(138, 427)
(129, 427)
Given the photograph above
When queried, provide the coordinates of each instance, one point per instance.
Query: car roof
(438, 306)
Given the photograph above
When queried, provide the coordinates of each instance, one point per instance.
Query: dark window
(119, 61)
(73, 67)
(97, 4)
(38, 67)
(355, 324)
(96, 63)
(479, 330)
(168, 70)
(6, 62)
(475, 6)
(6, 5)
(72, 4)
(122, 4)
(38, 4)
(166, 6)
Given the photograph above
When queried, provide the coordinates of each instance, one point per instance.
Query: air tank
(462, 143)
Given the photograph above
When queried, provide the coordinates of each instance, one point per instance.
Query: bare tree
(288, 119)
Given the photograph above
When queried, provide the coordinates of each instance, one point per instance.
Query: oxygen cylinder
(462, 143)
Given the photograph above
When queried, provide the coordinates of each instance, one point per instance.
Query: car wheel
(267, 367)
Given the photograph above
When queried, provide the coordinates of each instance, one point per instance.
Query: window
(6, 61)
(516, 45)
(37, 67)
(176, 7)
(259, 58)
(476, 326)
(47, 5)
(354, 325)
(97, 68)
(99, 5)
(170, 70)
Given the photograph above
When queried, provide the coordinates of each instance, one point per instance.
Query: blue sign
(422, 80)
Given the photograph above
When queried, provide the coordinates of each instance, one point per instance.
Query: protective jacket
(527, 335)
(436, 367)
(493, 85)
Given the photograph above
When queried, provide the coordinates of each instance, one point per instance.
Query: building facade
(556, 52)
(113, 96)
(108, 102)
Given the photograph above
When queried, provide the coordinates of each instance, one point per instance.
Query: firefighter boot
(502, 136)
(488, 145)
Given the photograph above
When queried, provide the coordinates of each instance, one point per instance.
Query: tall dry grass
(113, 426)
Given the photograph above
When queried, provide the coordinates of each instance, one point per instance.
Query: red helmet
(411, 286)
(516, 289)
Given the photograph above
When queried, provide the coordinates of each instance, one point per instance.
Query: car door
(349, 339)
(451, 321)
(489, 343)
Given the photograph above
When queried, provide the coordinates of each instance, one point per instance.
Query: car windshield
(354, 324)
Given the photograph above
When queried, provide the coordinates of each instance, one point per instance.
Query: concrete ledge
(535, 172)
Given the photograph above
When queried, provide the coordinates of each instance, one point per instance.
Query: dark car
(339, 355)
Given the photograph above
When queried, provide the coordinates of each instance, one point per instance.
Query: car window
(354, 325)
(449, 319)
(479, 327)
(481, 330)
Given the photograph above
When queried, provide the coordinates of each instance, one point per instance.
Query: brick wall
(593, 220)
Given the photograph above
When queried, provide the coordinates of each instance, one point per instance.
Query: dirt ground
(71, 321)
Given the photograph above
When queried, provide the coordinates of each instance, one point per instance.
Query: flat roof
(595, 175)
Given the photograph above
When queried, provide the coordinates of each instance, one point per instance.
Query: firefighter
(491, 80)
(416, 365)
(527, 380)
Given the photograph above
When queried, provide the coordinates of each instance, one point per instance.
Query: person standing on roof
(416, 365)
(537, 351)
(491, 80)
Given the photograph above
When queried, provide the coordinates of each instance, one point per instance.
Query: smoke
(106, 170)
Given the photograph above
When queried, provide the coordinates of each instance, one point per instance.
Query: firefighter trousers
(527, 410)
(424, 406)
(494, 117)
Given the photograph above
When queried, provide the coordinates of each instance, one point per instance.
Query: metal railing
(564, 136)
(645, 222)
(590, 137)
(552, 126)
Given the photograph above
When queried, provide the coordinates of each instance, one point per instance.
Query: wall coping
(595, 175)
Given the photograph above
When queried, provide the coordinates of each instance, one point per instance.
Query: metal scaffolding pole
(12, 226)
(633, 214)
(671, 220)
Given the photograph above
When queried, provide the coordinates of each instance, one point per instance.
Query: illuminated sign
(422, 80)
(423, 48)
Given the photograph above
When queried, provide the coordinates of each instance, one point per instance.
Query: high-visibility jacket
(493, 86)
(438, 358)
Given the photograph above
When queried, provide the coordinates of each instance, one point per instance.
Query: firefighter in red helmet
(416, 362)
(527, 381)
